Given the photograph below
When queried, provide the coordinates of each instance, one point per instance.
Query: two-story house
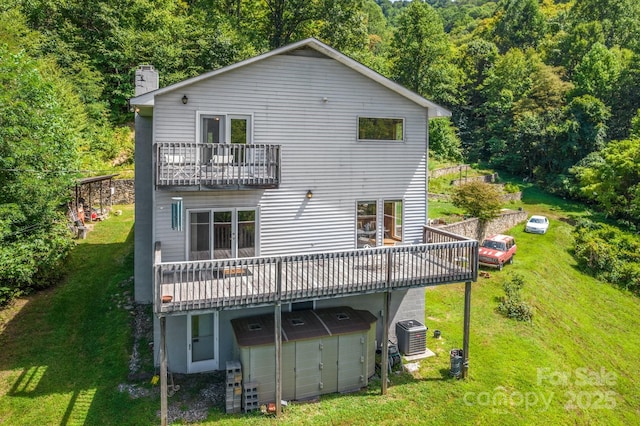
(294, 181)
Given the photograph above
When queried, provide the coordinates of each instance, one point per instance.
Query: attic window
(296, 322)
(255, 327)
(380, 129)
(342, 316)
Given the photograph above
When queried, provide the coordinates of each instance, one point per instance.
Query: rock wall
(471, 228)
(124, 191)
(449, 170)
(492, 178)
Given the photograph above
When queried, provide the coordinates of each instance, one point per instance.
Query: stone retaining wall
(492, 178)
(506, 197)
(471, 228)
(449, 170)
(124, 191)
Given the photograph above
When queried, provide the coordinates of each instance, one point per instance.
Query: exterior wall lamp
(309, 194)
(185, 99)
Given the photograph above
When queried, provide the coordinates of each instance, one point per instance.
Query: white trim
(210, 364)
(234, 228)
(228, 116)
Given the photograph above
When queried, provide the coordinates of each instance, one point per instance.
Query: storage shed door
(351, 361)
(308, 368)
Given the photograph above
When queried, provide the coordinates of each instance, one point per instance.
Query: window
(222, 234)
(392, 221)
(367, 224)
(381, 129)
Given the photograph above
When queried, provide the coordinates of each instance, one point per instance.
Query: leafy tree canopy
(40, 123)
(478, 199)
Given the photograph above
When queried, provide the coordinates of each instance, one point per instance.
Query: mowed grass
(65, 351)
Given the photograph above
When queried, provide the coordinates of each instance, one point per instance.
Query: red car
(497, 250)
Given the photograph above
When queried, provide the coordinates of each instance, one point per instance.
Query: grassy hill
(65, 352)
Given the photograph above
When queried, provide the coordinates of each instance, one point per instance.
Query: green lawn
(64, 352)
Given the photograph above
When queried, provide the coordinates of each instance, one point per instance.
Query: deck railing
(217, 165)
(240, 282)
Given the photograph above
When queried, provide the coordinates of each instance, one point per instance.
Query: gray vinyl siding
(284, 94)
(143, 242)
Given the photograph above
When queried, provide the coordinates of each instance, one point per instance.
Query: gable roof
(147, 99)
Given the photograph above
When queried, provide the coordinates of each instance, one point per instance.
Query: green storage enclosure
(323, 351)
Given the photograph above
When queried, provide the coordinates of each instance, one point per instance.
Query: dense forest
(546, 90)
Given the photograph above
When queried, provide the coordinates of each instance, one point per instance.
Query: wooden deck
(235, 283)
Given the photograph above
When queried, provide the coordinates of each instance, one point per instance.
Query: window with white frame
(375, 228)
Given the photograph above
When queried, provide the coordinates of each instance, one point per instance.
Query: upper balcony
(242, 282)
(208, 166)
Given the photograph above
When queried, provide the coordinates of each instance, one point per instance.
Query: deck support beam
(467, 319)
(278, 347)
(384, 358)
(163, 371)
(277, 312)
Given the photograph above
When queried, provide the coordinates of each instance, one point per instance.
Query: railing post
(157, 276)
(389, 276)
(279, 280)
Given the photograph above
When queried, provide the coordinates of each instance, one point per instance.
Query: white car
(537, 225)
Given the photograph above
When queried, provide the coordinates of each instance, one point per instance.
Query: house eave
(435, 110)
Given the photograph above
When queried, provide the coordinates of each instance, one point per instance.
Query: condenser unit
(412, 337)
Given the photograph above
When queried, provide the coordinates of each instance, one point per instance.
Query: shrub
(478, 199)
(609, 254)
(511, 305)
(511, 188)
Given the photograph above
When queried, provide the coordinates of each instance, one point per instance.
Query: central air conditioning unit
(412, 337)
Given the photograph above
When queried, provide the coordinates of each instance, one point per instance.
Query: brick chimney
(147, 79)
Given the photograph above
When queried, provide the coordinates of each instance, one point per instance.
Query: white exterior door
(202, 342)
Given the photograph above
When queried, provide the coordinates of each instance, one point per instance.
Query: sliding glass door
(222, 234)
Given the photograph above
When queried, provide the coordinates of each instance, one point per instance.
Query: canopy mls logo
(582, 389)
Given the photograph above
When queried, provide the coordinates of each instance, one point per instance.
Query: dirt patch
(190, 396)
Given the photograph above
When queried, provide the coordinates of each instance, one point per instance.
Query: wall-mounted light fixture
(185, 99)
(325, 99)
(309, 194)
(176, 213)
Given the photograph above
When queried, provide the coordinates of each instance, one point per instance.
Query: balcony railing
(217, 166)
(241, 282)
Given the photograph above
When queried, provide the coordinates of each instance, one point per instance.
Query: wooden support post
(384, 359)
(467, 319)
(278, 340)
(163, 371)
(278, 331)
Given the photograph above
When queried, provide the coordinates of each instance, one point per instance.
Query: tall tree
(40, 123)
(611, 177)
(475, 59)
(339, 22)
(620, 20)
(598, 72)
(423, 56)
(520, 23)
